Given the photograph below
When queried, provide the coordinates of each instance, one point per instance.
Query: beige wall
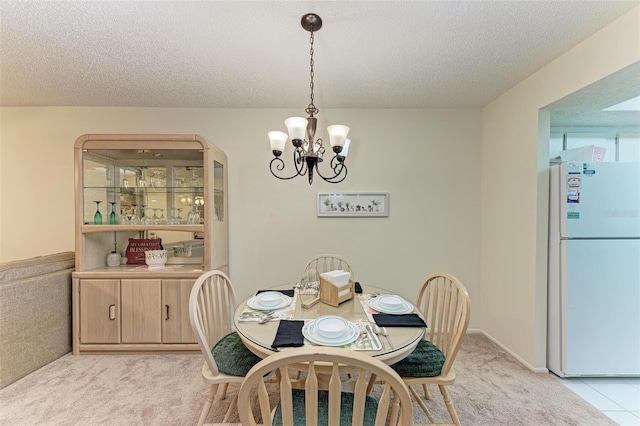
(428, 160)
(515, 186)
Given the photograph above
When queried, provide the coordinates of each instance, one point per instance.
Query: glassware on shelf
(135, 220)
(155, 219)
(97, 217)
(125, 181)
(113, 217)
(173, 220)
(193, 218)
(142, 178)
(129, 215)
(124, 220)
(158, 179)
(147, 219)
(162, 219)
(109, 177)
(178, 181)
(194, 178)
(179, 215)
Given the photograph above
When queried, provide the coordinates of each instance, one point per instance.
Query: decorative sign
(353, 204)
(136, 249)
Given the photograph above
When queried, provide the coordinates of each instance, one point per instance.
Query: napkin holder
(334, 295)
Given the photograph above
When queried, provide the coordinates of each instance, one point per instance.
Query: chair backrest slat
(445, 306)
(334, 362)
(324, 263)
(211, 304)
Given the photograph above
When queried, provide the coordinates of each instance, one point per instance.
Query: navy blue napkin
(289, 293)
(289, 334)
(404, 320)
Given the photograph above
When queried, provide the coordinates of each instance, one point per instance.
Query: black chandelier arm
(278, 165)
(339, 170)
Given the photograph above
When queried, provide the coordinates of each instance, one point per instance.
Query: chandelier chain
(311, 107)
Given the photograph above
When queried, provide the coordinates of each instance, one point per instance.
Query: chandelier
(308, 150)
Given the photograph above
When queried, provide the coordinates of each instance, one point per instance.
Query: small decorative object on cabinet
(133, 307)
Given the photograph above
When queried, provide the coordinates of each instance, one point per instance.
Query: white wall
(514, 191)
(428, 160)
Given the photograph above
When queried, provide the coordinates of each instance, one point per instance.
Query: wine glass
(113, 217)
(135, 220)
(173, 220)
(142, 180)
(178, 181)
(179, 215)
(194, 178)
(97, 217)
(147, 220)
(123, 216)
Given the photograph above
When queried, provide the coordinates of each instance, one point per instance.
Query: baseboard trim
(509, 351)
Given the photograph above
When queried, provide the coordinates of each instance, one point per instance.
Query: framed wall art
(353, 204)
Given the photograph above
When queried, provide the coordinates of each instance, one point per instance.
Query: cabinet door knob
(167, 309)
(112, 312)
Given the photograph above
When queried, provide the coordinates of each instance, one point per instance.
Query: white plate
(407, 307)
(308, 331)
(331, 326)
(254, 303)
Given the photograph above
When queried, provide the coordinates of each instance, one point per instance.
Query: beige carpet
(491, 389)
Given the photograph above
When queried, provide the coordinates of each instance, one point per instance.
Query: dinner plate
(406, 307)
(309, 332)
(254, 303)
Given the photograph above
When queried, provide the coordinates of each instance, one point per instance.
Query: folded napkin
(289, 334)
(405, 320)
(285, 292)
(357, 287)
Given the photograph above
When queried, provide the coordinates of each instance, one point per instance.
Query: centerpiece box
(334, 290)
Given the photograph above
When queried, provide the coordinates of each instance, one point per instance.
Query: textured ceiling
(242, 54)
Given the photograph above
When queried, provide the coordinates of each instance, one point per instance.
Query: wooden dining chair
(226, 359)
(444, 302)
(325, 263)
(307, 405)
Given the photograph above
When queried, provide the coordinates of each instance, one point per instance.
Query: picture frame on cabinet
(353, 204)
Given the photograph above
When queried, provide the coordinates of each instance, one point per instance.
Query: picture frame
(353, 204)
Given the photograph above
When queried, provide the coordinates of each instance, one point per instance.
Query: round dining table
(259, 337)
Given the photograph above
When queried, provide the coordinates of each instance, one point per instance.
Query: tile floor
(618, 398)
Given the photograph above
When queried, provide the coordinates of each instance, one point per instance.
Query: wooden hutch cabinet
(144, 186)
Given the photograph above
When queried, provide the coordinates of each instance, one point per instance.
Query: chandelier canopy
(308, 150)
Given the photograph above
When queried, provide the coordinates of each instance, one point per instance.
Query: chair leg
(234, 403)
(449, 404)
(426, 391)
(421, 404)
(223, 395)
(207, 404)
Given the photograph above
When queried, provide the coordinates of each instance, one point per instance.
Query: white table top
(259, 337)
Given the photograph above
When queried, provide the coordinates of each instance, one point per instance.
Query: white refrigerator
(593, 326)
